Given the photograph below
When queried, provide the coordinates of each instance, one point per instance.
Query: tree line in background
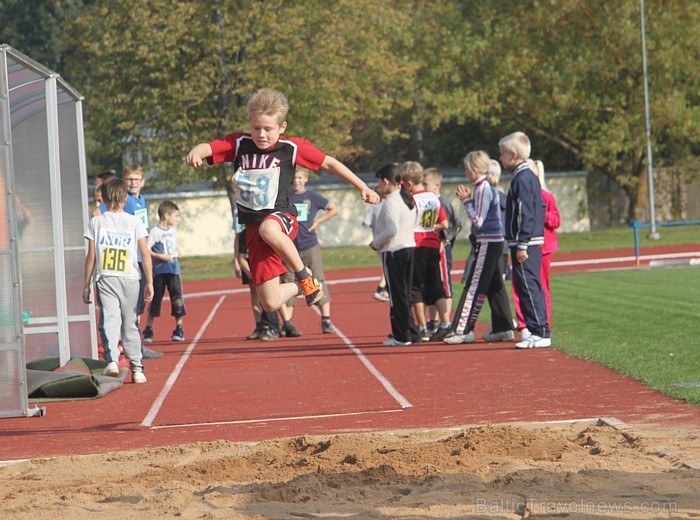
(378, 81)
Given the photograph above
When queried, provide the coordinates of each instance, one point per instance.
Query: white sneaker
(492, 337)
(524, 334)
(382, 296)
(391, 342)
(460, 338)
(138, 378)
(112, 369)
(534, 342)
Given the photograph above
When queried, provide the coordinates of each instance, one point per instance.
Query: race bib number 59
(257, 189)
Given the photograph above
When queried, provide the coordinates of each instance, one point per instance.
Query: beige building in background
(206, 220)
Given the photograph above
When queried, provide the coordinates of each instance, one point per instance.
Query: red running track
(216, 385)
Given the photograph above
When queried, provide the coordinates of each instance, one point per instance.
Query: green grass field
(206, 267)
(640, 323)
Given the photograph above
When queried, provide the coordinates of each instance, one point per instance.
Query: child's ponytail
(406, 195)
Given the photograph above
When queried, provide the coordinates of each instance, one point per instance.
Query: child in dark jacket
(525, 235)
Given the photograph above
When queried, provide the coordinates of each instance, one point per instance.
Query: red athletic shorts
(265, 263)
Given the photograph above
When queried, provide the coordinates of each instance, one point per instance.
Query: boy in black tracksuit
(525, 234)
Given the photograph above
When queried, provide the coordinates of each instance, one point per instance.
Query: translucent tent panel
(11, 385)
(31, 170)
(75, 269)
(80, 333)
(13, 397)
(71, 190)
(46, 344)
(44, 213)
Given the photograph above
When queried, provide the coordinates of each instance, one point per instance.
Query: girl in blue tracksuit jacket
(484, 280)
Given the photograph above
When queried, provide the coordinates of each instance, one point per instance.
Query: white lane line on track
(617, 259)
(403, 402)
(246, 290)
(273, 419)
(158, 403)
(455, 272)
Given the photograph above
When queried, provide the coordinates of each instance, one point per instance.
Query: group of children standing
(413, 232)
(131, 267)
(407, 234)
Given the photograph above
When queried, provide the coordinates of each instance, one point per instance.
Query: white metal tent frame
(55, 94)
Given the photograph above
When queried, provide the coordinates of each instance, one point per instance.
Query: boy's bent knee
(269, 229)
(269, 305)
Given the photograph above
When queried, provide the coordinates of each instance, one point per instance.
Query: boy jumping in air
(265, 161)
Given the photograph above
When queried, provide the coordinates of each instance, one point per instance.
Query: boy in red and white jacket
(427, 286)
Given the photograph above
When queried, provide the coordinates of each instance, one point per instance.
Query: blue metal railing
(636, 225)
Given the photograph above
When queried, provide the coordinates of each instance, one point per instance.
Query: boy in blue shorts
(162, 243)
(265, 161)
(114, 238)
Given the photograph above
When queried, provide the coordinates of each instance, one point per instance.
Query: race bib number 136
(114, 261)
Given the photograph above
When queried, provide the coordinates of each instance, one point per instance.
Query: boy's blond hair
(539, 170)
(133, 168)
(432, 174)
(477, 162)
(411, 171)
(493, 175)
(518, 143)
(268, 102)
(114, 193)
(304, 171)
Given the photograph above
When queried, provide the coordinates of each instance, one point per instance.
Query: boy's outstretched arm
(338, 169)
(198, 154)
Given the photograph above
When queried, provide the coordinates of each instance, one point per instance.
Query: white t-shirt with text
(116, 237)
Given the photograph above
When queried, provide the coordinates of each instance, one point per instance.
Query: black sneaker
(432, 327)
(255, 334)
(267, 334)
(327, 327)
(178, 334)
(291, 331)
(148, 334)
(441, 334)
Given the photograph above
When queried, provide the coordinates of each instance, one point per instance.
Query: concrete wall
(205, 224)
